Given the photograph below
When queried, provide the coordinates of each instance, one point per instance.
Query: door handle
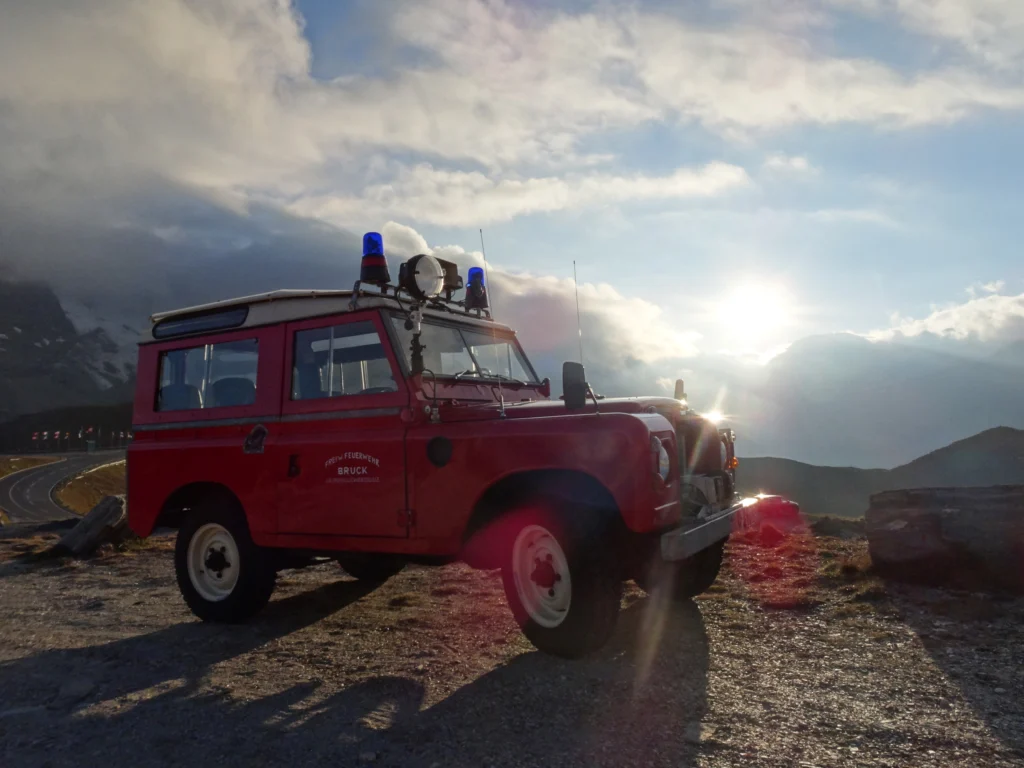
(293, 465)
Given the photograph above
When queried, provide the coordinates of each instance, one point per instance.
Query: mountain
(50, 358)
(837, 399)
(842, 400)
(993, 457)
(74, 300)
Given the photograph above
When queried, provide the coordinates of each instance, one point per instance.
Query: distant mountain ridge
(47, 362)
(992, 457)
(851, 401)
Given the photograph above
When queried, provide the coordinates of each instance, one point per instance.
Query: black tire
(686, 579)
(255, 576)
(594, 578)
(375, 569)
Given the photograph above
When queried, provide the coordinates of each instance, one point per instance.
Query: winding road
(26, 495)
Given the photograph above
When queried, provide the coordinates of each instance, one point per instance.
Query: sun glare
(715, 417)
(754, 311)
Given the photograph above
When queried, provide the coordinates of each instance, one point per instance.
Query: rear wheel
(563, 587)
(370, 568)
(687, 578)
(222, 574)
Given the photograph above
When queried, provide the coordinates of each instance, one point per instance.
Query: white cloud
(994, 318)
(993, 286)
(991, 30)
(105, 97)
(747, 79)
(623, 336)
(854, 215)
(403, 241)
(790, 164)
(458, 198)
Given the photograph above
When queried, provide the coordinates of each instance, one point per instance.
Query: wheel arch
(482, 542)
(172, 512)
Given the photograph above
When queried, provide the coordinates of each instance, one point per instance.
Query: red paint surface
(320, 508)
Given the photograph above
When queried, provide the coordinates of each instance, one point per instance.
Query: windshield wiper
(483, 373)
(503, 377)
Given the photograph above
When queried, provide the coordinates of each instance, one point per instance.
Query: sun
(755, 311)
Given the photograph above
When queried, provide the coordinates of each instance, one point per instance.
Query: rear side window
(340, 360)
(208, 376)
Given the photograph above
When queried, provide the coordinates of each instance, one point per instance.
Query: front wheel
(222, 574)
(563, 588)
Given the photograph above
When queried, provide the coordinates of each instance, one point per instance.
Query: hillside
(842, 400)
(993, 457)
(46, 361)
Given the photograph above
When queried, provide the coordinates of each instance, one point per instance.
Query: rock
(106, 522)
(971, 536)
(367, 757)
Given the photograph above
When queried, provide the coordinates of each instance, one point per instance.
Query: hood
(670, 408)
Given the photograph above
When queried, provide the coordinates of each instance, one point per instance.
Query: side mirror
(545, 387)
(574, 385)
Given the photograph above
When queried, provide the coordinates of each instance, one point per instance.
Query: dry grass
(83, 492)
(17, 463)
(405, 600)
(28, 547)
(803, 572)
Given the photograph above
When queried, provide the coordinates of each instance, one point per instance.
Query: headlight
(662, 461)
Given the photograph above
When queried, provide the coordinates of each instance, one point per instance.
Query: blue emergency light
(476, 291)
(374, 267)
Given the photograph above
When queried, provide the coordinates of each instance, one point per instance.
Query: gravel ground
(798, 657)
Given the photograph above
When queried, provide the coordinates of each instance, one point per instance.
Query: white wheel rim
(541, 574)
(213, 562)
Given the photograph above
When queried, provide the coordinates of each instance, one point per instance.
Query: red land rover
(395, 424)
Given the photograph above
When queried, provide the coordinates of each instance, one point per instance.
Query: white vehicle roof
(295, 304)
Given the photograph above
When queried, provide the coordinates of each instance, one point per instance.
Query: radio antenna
(490, 296)
(487, 275)
(579, 327)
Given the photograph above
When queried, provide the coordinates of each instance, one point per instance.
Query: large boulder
(105, 523)
(970, 536)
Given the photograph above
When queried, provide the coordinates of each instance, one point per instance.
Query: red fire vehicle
(396, 424)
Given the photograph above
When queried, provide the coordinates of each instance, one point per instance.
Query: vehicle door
(342, 437)
(205, 409)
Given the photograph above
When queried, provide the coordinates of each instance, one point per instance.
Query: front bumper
(692, 537)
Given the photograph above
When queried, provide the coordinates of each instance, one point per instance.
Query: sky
(729, 176)
(759, 170)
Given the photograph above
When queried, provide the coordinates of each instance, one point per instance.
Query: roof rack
(445, 302)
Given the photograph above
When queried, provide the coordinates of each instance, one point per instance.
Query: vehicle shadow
(638, 702)
(629, 704)
(182, 653)
(974, 640)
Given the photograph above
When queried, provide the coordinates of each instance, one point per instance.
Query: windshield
(464, 352)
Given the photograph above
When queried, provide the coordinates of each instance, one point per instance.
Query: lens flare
(715, 417)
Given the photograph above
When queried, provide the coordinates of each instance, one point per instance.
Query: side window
(208, 376)
(340, 360)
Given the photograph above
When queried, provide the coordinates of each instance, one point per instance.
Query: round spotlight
(423, 277)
